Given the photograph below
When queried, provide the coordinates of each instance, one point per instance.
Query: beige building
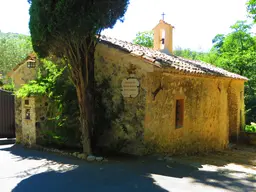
(152, 101)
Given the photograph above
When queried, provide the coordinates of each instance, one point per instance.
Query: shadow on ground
(239, 154)
(126, 176)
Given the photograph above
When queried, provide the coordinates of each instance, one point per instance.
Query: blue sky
(196, 22)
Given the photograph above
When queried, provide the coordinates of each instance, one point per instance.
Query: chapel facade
(155, 102)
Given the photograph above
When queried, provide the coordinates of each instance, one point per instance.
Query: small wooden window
(179, 113)
(31, 64)
(26, 102)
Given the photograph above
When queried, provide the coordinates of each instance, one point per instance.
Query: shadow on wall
(128, 175)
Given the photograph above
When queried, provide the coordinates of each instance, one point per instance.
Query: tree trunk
(85, 121)
(83, 76)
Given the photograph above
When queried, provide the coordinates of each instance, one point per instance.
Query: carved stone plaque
(130, 87)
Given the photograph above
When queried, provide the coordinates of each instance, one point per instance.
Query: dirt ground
(243, 155)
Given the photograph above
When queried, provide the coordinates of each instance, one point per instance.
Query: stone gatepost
(18, 120)
(28, 121)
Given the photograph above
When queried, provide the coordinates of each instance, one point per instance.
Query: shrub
(8, 87)
(61, 127)
(251, 128)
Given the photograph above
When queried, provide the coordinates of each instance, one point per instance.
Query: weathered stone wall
(23, 75)
(206, 117)
(41, 105)
(146, 124)
(120, 120)
(20, 76)
(28, 130)
(18, 120)
(236, 109)
(28, 121)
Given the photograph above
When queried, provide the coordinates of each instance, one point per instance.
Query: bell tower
(163, 37)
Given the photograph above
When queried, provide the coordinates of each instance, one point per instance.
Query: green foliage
(7, 84)
(189, 54)
(251, 8)
(144, 39)
(250, 128)
(70, 29)
(63, 111)
(8, 87)
(13, 48)
(45, 84)
(63, 25)
(62, 124)
(186, 53)
(52, 139)
(218, 42)
(31, 89)
(210, 57)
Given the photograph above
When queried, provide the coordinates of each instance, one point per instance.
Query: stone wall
(23, 75)
(28, 115)
(41, 108)
(236, 109)
(120, 119)
(206, 116)
(18, 120)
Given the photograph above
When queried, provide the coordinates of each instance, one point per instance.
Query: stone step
(6, 141)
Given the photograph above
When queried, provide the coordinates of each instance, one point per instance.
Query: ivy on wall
(118, 122)
(61, 128)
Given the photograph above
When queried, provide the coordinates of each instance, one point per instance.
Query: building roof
(170, 61)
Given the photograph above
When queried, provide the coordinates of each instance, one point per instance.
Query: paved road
(24, 170)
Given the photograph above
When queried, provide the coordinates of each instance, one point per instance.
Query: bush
(251, 128)
(7, 84)
(61, 127)
(52, 138)
(8, 87)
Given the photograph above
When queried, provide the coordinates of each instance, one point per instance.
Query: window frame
(180, 103)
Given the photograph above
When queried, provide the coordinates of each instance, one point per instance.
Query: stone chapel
(156, 102)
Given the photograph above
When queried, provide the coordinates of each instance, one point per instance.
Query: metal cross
(163, 14)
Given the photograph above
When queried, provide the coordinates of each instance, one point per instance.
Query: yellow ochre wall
(168, 39)
(236, 109)
(206, 113)
(212, 107)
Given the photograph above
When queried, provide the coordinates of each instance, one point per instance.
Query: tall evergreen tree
(71, 29)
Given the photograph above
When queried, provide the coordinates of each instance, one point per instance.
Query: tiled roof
(172, 61)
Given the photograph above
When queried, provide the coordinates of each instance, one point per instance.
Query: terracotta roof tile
(170, 61)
